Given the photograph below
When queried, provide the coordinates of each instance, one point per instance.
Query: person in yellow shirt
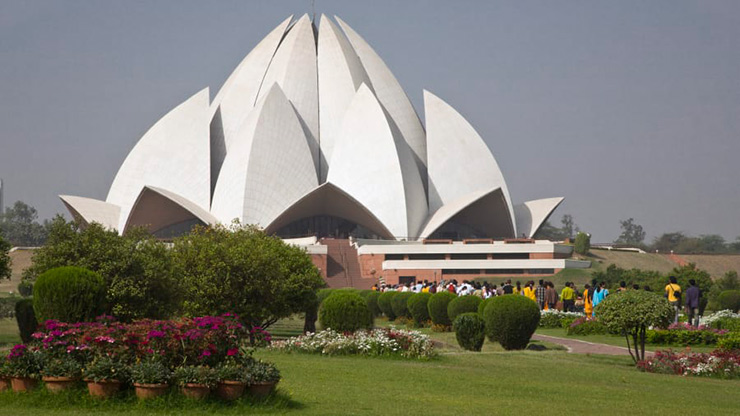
(673, 293)
(529, 291)
(588, 306)
(518, 288)
(568, 295)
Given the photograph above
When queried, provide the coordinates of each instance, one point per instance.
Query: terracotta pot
(196, 391)
(58, 384)
(103, 389)
(4, 384)
(262, 389)
(150, 391)
(21, 384)
(230, 390)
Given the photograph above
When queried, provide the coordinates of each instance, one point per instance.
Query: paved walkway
(584, 347)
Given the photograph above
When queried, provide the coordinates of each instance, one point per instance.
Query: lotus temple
(313, 139)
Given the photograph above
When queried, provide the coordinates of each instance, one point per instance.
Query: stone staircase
(343, 265)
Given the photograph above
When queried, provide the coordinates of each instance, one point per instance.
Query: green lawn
(617, 340)
(9, 335)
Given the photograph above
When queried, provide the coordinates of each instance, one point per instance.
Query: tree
(631, 313)
(632, 233)
(242, 270)
(727, 282)
(568, 225)
(668, 241)
(20, 227)
(735, 245)
(5, 262)
(136, 268)
(583, 243)
(712, 243)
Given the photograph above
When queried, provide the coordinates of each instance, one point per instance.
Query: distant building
(312, 135)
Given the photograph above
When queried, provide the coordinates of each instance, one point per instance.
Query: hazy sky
(627, 109)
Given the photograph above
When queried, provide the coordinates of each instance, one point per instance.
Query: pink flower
(205, 353)
(232, 352)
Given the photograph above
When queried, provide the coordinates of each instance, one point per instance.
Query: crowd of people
(570, 299)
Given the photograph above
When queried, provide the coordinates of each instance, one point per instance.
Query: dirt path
(584, 347)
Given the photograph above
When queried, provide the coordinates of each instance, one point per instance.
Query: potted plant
(23, 367)
(150, 378)
(262, 378)
(104, 376)
(4, 376)
(60, 372)
(231, 376)
(196, 381)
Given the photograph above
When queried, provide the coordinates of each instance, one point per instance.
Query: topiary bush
(372, 303)
(729, 342)
(25, 288)
(437, 307)
(462, 304)
(511, 320)
(729, 299)
(470, 331)
(68, 294)
(483, 304)
(417, 305)
(384, 303)
(345, 311)
(26, 319)
(398, 303)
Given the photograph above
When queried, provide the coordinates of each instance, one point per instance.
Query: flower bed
(553, 318)
(718, 364)
(587, 326)
(143, 352)
(724, 319)
(376, 342)
(685, 334)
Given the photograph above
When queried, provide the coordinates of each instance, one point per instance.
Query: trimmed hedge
(68, 294)
(470, 331)
(384, 302)
(437, 307)
(398, 303)
(729, 299)
(462, 304)
(417, 305)
(483, 304)
(511, 320)
(26, 319)
(345, 311)
(372, 303)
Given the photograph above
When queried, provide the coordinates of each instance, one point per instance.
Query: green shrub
(583, 243)
(25, 288)
(729, 342)
(584, 326)
(345, 311)
(470, 331)
(462, 304)
(728, 323)
(417, 305)
(511, 320)
(483, 304)
(68, 294)
(365, 293)
(384, 303)
(681, 337)
(7, 306)
(567, 321)
(398, 303)
(437, 306)
(372, 303)
(729, 299)
(26, 319)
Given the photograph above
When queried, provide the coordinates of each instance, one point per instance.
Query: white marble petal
(173, 155)
(375, 167)
(458, 160)
(340, 75)
(392, 96)
(531, 215)
(270, 166)
(158, 208)
(90, 210)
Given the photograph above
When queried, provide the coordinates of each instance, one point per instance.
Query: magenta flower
(231, 352)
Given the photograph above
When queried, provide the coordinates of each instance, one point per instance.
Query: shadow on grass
(78, 398)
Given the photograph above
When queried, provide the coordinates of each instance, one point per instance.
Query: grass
(457, 382)
(617, 340)
(9, 335)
